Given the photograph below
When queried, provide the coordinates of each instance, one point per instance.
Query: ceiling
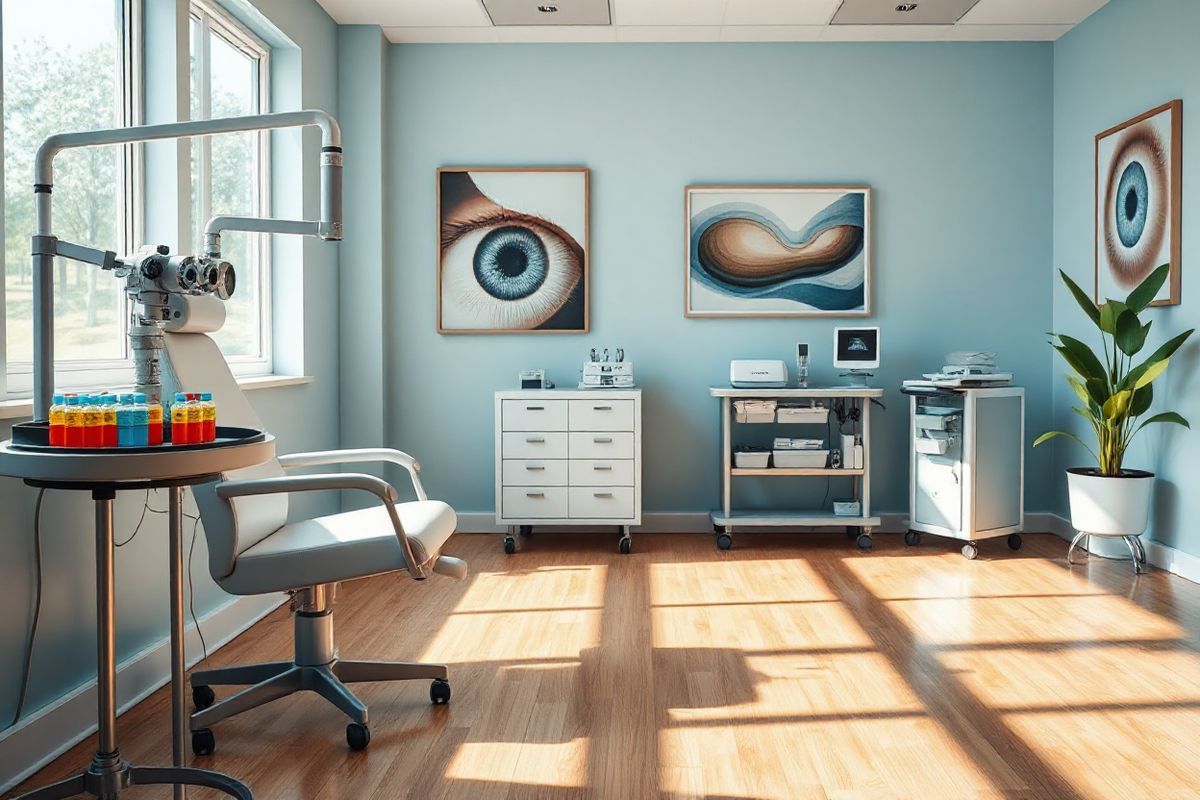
(445, 21)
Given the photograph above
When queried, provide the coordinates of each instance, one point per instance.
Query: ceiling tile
(885, 33)
(771, 33)
(1031, 12)
(1006, 33)
(891, 12)
(440, 35)
(407, 13)
(668, 33)
(567, 13)
(668, 12)
(557, 33)
(780, 12)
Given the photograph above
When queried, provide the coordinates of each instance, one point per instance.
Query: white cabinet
(568, 457)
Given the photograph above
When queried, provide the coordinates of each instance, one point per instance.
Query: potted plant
(1114, 394)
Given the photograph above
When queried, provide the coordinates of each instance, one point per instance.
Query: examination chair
(253, 549)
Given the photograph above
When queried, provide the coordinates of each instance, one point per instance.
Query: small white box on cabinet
(568, 457)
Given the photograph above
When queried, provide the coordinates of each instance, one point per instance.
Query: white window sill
(23, 408)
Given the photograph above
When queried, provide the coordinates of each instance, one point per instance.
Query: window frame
(215, 20)
(16, 377)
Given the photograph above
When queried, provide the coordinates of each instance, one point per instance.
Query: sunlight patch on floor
(788, 580)
(559, 764)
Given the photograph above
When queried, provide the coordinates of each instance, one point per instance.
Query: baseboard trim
(1163, 556)
(50, 731)
(652, 522)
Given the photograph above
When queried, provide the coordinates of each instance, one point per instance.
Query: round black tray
(35, 437)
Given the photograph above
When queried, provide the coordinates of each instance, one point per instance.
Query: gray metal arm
(337, 481)
(359, 456)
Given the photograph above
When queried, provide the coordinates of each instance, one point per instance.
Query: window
(229, 174)
(68, 65)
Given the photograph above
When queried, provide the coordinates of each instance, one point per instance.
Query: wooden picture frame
(525, 267)
(1138, 209)
(769, 231)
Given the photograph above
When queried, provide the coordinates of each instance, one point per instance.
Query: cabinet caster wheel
(864, 541)
(203, 697)
(724, 541)
(625, 545)
(525, 530)
(1014, 541)
(203, 742)
(969, 551)
(358, 736)
(439, 692)
(510, 545)
(912, 538)
(718, 528)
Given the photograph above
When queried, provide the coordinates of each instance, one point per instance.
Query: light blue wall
(1128, 57)
(64, 659)
(955, 140)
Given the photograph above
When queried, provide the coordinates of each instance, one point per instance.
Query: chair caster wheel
(203, 742)
(863, 541)
(439, 692)
(526, 530)
(203, 697)
(724, 541)
(1014, 541)
(625, 545)
(912, 538)
(970, 551)
(510, 545)
(358, 736)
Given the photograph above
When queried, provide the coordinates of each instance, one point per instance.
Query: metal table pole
(179, 713)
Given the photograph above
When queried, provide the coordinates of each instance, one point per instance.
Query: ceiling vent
(894, 12)
(548, 12)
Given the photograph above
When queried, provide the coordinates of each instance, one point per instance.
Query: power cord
(191, 590)
(27, 663)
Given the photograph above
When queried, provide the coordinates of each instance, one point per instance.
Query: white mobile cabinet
(568, 457)
(967, 465)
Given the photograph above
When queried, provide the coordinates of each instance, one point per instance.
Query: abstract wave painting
(778, 251)
(1138, 202)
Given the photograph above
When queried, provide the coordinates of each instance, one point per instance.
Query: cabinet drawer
(534, 444)
(601, 472)
(533, 472)
(601, 445)
(601, 502)
(601, 415)
(535, 502)
(534, 415)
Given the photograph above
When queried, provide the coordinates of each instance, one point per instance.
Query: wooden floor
(788, 668)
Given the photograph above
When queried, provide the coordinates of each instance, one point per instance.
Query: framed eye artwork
(1139, 176)
(512, 250)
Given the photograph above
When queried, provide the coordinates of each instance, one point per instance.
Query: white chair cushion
(340, 547)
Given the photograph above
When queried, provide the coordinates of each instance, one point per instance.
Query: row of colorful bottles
(130, 420)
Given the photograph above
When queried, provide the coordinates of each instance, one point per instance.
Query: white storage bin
(754, 411)
(800, 459)
(847, 508)
(935, 422)
(816, 415)
(751, 459)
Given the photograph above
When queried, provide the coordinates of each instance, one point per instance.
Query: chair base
(107, 778)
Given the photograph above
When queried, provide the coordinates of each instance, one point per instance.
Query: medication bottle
(179, 426)
(154, 430)
(195, 418)
(125, 420)
(208, 415)
(108, 414)
(141, 420)
(93, 422)
(73, 422)
(58, 421)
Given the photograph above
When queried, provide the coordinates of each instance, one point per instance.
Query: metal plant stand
(1137, 551)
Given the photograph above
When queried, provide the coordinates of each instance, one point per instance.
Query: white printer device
(758, 374)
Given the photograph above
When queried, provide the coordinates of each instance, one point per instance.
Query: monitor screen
(856, 348)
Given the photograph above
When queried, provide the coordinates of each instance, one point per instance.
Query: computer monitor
(856, 348)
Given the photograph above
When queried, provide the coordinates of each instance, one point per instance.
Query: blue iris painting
(791, 251)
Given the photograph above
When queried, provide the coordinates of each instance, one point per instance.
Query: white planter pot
(1105, 506)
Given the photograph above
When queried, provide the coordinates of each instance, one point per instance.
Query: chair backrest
(195, 364)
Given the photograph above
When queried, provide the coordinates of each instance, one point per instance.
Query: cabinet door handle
(535, 467)
(535, 408)
(535, 494)
(602, 467)
(602, 439)
(601, 408)
(534, 440)
(601, 494)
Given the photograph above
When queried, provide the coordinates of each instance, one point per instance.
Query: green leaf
(1080, 389)
(1045, 437)
(1142, 399)
(1117, 406)
(1130, 335)
(1109, 313)
(1144, 294)
(1151, 372)
(1098, 391)
(1166, 416)
(1081, 297)
(1082, 359)
(1161, 354)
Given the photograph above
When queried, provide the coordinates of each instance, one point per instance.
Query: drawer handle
(601, 494)
(535, 494)
(535, 408)
(535, 467)
(534, 440)
(601, 408)
(602, 467)
(602, 439)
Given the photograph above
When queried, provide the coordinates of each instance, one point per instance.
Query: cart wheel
(853, 531)
(970, 550)
(439, 692)
(510, 545)
(912, 538)
(864, 541)
(625, 545)
(525, 530)
(203, 697)
(203, 742)
(1014, 541)
(718, 528)
(724, 541)
(358, 736)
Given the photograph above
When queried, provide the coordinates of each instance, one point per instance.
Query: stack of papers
(784, 443)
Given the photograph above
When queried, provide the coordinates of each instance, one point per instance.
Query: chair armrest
(362, 455)
(334, 481)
